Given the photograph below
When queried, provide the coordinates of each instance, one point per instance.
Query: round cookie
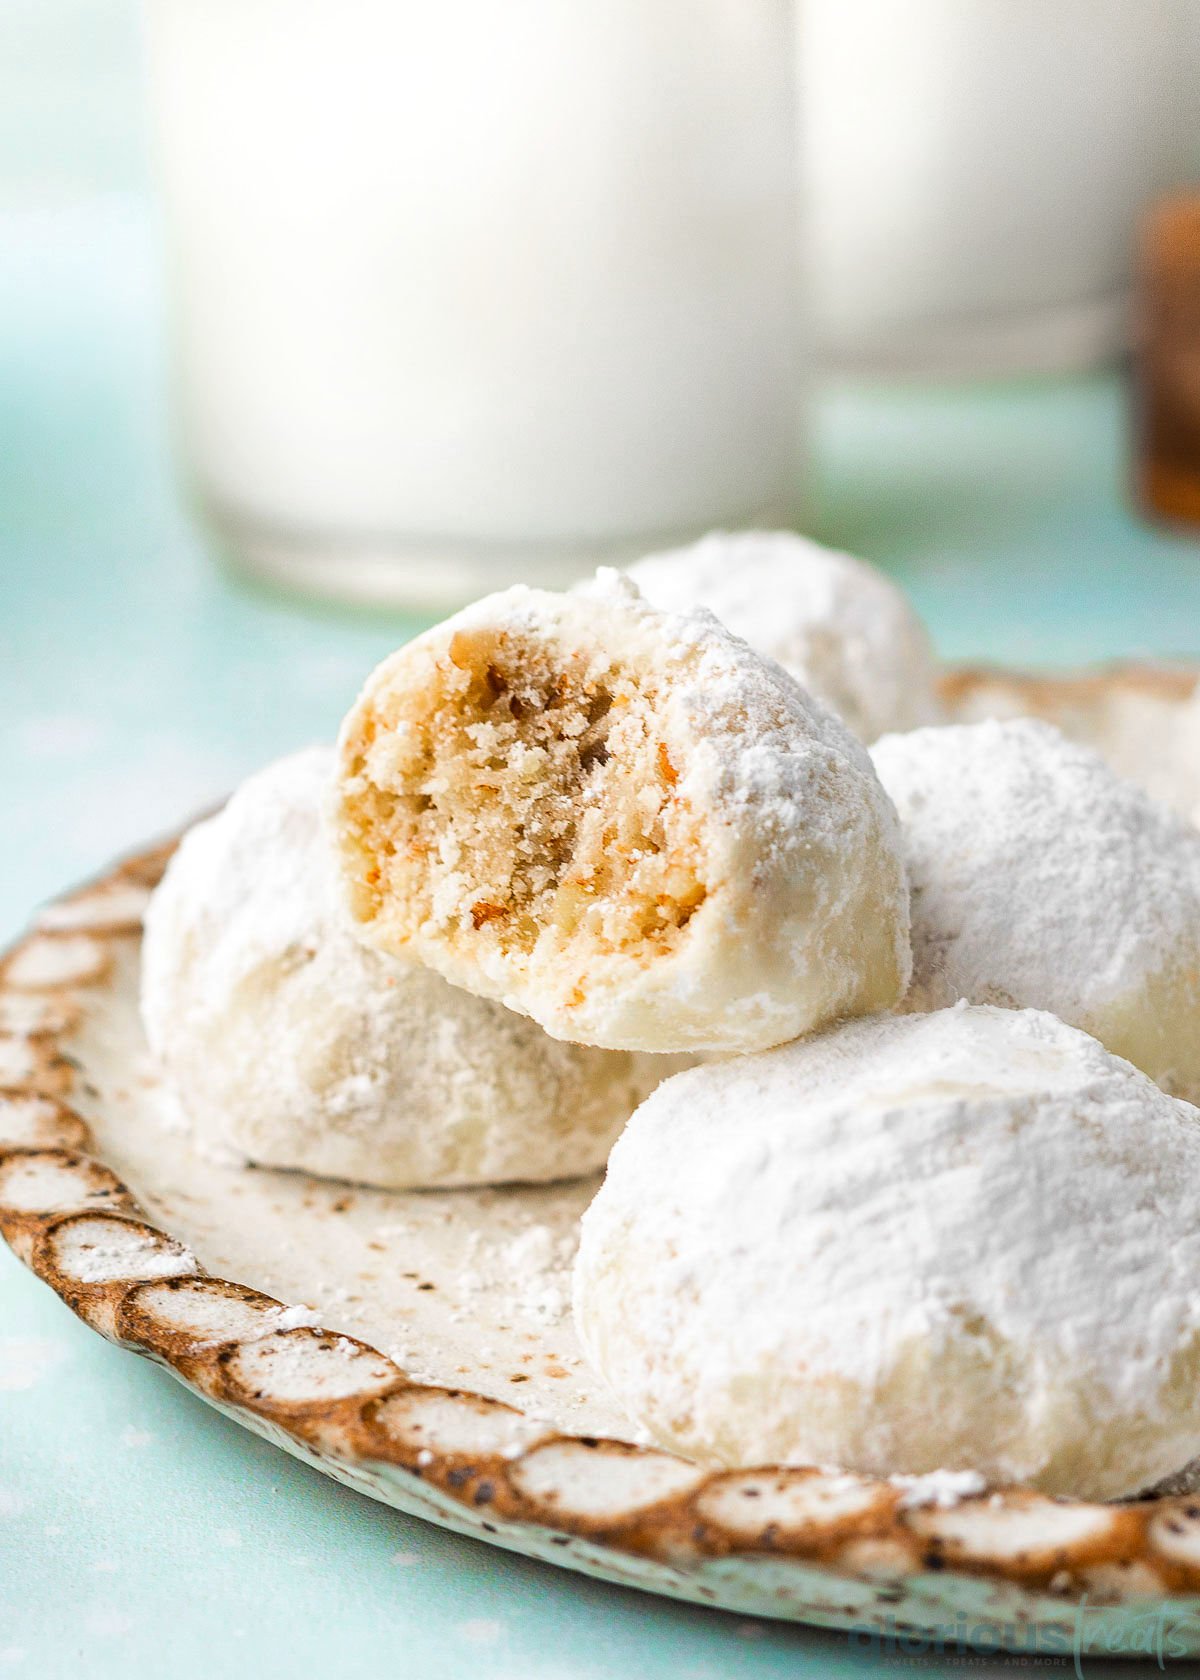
(961, 1241)
(1042, 880)
(289, 1043)
(622, 823)
(842, 628)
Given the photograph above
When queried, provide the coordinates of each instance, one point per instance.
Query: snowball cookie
(622, 823)
(1042, 880)
(964, 1240)
(288, 1042)
(842, 629)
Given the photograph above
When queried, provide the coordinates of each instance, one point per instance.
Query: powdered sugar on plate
(939, 1488)
(531, 1271)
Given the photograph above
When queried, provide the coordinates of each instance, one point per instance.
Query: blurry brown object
(1167, 362)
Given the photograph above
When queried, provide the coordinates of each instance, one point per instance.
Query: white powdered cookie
(1042, 880)
(842, 629)
(622, 823)
(289, 1043)
(961, 1241)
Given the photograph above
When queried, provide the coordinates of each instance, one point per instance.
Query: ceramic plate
(418, 1346)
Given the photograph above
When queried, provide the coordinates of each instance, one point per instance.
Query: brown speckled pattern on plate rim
(334, 1398)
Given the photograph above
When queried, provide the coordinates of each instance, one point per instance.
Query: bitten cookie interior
(506, 743)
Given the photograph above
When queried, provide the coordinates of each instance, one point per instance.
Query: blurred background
(316, 320)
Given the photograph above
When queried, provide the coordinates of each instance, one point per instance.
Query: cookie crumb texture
(622, 823)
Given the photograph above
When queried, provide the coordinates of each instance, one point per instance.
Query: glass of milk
(467, 292)
(974, 171)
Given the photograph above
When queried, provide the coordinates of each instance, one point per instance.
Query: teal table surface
(140, 1532)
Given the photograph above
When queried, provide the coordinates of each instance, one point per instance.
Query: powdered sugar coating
(623, 823)
(1143, 721)
(293, 1045)
(961, 1241)
(837, 624)
(1040, 879)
